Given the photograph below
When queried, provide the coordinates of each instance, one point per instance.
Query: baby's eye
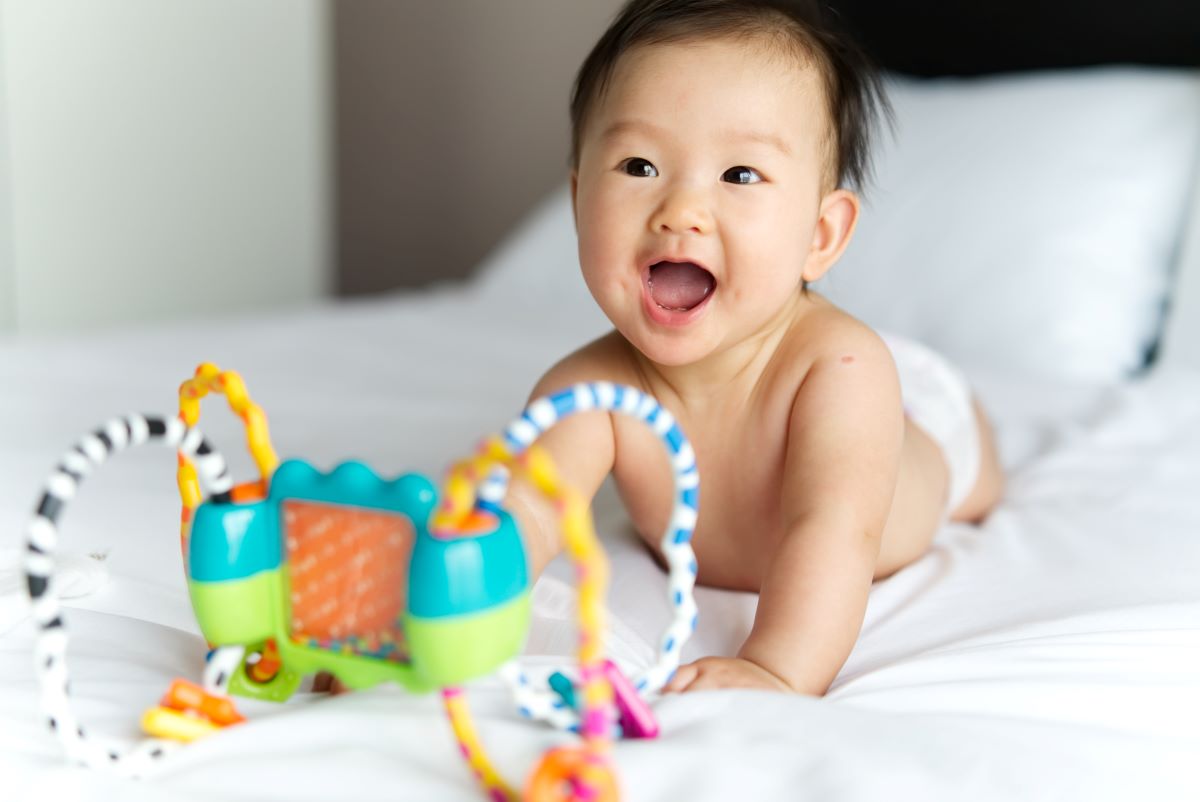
(639, 167)
(741, 175)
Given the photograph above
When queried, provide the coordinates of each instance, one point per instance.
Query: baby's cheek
(605, 255)
(595, 234)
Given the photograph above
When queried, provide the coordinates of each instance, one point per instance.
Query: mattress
(1050, 653)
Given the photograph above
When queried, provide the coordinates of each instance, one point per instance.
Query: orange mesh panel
(348, 569)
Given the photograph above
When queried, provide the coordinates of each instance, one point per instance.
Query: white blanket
(1053, 653)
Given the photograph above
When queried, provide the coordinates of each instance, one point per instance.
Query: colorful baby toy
(376, 580)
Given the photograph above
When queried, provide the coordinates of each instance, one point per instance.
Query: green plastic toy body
(310, 571)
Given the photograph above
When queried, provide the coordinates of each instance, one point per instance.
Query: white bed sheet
(1053, 653)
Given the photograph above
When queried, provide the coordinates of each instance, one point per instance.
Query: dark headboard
(965, 37)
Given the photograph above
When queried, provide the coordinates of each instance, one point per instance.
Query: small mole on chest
(846, 360)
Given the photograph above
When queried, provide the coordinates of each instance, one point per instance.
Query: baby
(713, 147)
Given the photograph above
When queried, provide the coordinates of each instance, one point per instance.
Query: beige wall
(451, 121)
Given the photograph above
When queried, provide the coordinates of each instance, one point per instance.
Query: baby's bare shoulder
(607, 358)
(829, 337)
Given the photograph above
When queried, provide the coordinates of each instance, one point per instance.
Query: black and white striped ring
(40, 545)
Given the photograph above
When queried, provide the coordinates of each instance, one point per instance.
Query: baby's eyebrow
(631, 126)
(730, 134)
(762, 137)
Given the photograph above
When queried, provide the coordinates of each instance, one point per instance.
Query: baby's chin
(664, 346)
(670, 349)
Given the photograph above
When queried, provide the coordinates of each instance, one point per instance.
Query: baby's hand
(324, 682)
(710, 673)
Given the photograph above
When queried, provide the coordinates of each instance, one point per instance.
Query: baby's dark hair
(854, 95)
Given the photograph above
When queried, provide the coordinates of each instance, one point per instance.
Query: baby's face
(710, 153)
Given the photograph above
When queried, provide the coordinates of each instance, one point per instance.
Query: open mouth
(679, 286)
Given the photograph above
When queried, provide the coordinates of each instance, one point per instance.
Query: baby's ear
(835, 225)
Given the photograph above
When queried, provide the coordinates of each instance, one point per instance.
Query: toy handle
(50, 662)
(211, 379)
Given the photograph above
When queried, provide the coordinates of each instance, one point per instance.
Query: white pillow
(539, 260)
(1020, 223)
(1028, 222)
(1180, 344)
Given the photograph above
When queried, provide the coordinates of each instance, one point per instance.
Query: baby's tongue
(679, 285)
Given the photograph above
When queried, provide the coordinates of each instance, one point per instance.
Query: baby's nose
(682, 211)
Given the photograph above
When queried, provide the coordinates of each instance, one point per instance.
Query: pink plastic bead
(637, 720)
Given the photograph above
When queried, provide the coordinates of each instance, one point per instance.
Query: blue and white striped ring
(676, 541)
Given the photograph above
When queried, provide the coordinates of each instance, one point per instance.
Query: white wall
(166, 159)
(8, 307)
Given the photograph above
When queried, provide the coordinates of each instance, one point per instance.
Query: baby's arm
(843, 453)
(582, 449)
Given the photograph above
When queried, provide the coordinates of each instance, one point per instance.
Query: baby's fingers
(684, 677)
(707, 678)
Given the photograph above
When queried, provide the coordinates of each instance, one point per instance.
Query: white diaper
(937, 398)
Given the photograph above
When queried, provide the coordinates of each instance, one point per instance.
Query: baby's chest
(741, 485)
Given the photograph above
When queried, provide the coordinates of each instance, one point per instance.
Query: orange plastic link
(568, 774)
(268, 665)
(184, 695)
(249, 491)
